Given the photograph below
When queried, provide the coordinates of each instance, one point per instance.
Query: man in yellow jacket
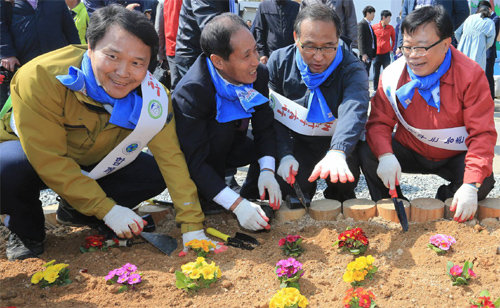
(78, 122)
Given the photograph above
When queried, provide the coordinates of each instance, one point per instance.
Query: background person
(386, 39)
(367, 41)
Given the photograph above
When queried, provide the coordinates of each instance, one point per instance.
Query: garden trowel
(239, 240)
(400, 209)
(163, 242)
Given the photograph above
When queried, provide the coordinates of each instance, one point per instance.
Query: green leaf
(336, 243)
(355, 251)
(83, 250)
(449, 265)
(484, 293)
(373, 304)
(461, 280)
(497, 303)
(294, 285)
(122, 289)
(181, 280)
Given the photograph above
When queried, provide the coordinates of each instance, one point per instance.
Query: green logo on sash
(155, 109)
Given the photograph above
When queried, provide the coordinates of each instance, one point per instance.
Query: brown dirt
(410, 275)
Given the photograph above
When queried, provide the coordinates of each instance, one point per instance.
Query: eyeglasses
(328, 50)
(419, 51)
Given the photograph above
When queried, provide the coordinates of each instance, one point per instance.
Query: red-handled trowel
(400, 209)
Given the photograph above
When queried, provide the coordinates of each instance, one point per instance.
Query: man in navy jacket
(310, 146)
(213, 103)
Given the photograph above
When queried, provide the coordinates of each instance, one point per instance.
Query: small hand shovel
(400, 209)
(240, 240)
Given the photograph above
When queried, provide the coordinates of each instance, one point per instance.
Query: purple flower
(123, 278)
(120, 271)
(134, 278)
(110, 275)
(129, 267)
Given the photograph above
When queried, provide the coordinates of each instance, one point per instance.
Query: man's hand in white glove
(250, 215)
(464, 203)
(194, 235)
(288, 169)
(122, 220)
(389, 170)
(335, 165)
(268, 181)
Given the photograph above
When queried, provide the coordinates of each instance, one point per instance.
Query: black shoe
(67, 215)
(20, 249)
(231, 182)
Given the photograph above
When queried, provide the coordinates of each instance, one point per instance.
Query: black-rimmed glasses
(418, 51)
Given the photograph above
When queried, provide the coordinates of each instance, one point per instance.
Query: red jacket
(465, 101)
(171, 11)
(386, 37)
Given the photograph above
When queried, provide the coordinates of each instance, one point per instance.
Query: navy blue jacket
(346, 93)
(27, 33)
(491, 53)
(195, 110)
(273, 25)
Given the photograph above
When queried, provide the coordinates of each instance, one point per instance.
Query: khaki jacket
(61, 130)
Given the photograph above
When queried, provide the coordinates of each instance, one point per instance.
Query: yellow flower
(219, 273)
(207, 273)
(49, 263)
(348, 277)
(195, 274)
(358, 276)
(200, 260)
(351, 266)
(36, 277)
(370, 259)
(188, 267)
(51, 276)
(359, 265)
(193, 244)
(361, 259)
(58, 267)
(303, 301)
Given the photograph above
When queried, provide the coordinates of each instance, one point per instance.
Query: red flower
(292, 238)
(365, 301)
(282, 242)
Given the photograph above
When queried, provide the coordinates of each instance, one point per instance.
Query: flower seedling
(484, 301)
(359, 298)
(353, 241)
(197, 275)
(289, 271)
(441, 243)
(360, 269)
(291, 245)
(288, 298)
(54, 274)
(200, 247)
(460, 275)
(127, 276)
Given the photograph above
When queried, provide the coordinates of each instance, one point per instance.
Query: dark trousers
(232, 146)
(308, 155)
(450, 169)
(173, 71)
(367, 64)
(182, 65)
(380, 61)
(21, 185)
(490, 64)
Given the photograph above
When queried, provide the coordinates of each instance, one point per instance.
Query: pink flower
(123, 278)
(282, 242)
(129, 267)
(456, 270)
(110, 275)
(471, 273)
(292, 238)
(134, 278)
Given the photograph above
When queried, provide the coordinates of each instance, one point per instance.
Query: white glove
(122, 220)
(389, 170)
(464, 202)
(268, 181)
(288, 169)
(335, 165)
(251, 216)
(194, 235)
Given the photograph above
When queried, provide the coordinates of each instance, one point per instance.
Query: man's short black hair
(317, 12)
(132, 21)
(368, 9)
(216, 36)
(429, 14)
(385, 13)
(484, 3)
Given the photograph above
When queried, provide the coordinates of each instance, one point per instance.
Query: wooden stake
(386, 210)
(359, 209)
(286, 214)
(426, 209)
(325, 209)
(447, 213)
(489, 207)
(49, 212)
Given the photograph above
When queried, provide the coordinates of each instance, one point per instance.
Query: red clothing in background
(386, 37)
(464, 102)
(171, 11)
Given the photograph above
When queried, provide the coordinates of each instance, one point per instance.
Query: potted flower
(289, 271)
(126, 276)
(197, 275)
(359, 298)
(54, 274)
(353, 241)
(441, 243)
(291, 245)
(460, 275)
(360, 269)
(484, 301)
(288, 298)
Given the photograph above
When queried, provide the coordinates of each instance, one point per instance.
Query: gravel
(413, 186)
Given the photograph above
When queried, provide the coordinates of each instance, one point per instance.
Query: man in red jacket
(386, 37)
(441, 104)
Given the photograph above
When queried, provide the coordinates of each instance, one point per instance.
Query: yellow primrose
(59, 267)
(348, 277)
(303, 301)
(188, 267)
(200, 260)
(370, 259)
(358, 276)
(51, 276)
(207, 273)
(49, 263)
(219, 273)
(36, 277)
(195, 274)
